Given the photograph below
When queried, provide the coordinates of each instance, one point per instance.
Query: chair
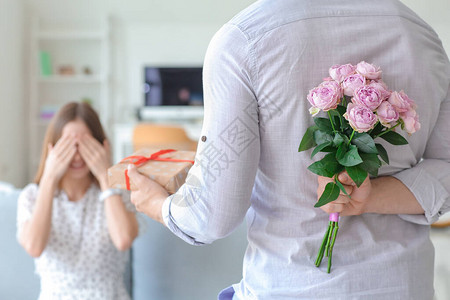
(444, 222)
(147, 135)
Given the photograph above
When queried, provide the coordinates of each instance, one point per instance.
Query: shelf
(170, 113)
(71, 35)
(79, 44)
(72, 79)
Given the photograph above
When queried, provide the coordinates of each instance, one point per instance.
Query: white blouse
(80, 261)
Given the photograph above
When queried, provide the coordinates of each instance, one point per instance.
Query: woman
(77, 228)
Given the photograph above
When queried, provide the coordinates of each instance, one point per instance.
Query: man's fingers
(343, 199)
(345, 179)
(137, 178)
(348, 189)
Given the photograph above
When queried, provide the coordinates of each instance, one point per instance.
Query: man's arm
(216, 196)
(382, 195)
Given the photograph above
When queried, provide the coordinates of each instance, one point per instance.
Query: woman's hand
(97, 157)
(345, 205)
(59, 157)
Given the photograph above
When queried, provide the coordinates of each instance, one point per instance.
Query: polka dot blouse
(80, 260)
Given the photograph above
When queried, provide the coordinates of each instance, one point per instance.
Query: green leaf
(336, 118)
(329, 149)
(357, 174)
(337, 122)
(341, 151)
(338, 140)
(330, 193)
(308, 139)
(321, 137)
(327, 166)
(320, 148)
(351, 157)
(340, 121)
(370, 163)
(394, 138)
(383, 153)
(324, 124)
(341, 187)
(365, 143)
(341, 109)
(376, 130)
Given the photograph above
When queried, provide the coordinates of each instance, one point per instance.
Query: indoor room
(141, 66)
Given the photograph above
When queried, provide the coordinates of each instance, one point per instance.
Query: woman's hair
(68, 113)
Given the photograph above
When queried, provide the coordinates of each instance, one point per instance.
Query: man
(258, 70)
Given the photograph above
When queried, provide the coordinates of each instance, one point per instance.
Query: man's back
(258, 70)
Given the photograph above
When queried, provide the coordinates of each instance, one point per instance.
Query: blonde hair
(68, 113)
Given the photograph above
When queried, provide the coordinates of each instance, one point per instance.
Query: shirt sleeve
(216, 195)
(25, 205)
(429, 180)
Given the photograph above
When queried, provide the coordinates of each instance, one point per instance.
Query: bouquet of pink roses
(360, 108)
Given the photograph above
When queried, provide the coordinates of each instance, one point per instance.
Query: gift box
(167, 167)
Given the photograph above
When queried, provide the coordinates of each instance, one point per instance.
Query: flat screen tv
(173, 86)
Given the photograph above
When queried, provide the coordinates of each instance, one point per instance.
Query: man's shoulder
(266, 15)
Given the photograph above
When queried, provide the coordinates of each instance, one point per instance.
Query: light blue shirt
(258, 70)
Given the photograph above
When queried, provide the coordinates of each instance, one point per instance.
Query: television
(173, 86)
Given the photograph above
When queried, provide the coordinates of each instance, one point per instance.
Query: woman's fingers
(91, 143)
(95, 155)
(68, 155)
(60, 155)
(64, 144)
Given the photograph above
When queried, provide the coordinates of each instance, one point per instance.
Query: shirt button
(204, 138)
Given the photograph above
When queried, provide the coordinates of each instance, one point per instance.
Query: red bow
(138, 160)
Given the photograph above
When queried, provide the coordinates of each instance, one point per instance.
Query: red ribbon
(138, 160)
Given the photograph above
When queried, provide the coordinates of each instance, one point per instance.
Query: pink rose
(361, 118)
(324, 97)
(368, 96)
(401, 102)
(382, 87)
(387, 114)
(369, 71)
(339, 72)
(351, 83)
(335, 85)
(410, 121)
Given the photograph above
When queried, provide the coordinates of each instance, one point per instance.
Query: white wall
(147, 32)
(12, 113)
(437, 14)
(143, 32)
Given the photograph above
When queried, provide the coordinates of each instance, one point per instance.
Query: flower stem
(334, 234)
(322, 247)
(351, 137)
(331, 121)
(386, 131)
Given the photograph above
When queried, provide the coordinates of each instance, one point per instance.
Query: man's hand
(345, 205)
(149, 196)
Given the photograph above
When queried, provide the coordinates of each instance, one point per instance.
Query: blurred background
(139, 63)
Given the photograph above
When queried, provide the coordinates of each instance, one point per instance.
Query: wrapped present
(167, 167)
